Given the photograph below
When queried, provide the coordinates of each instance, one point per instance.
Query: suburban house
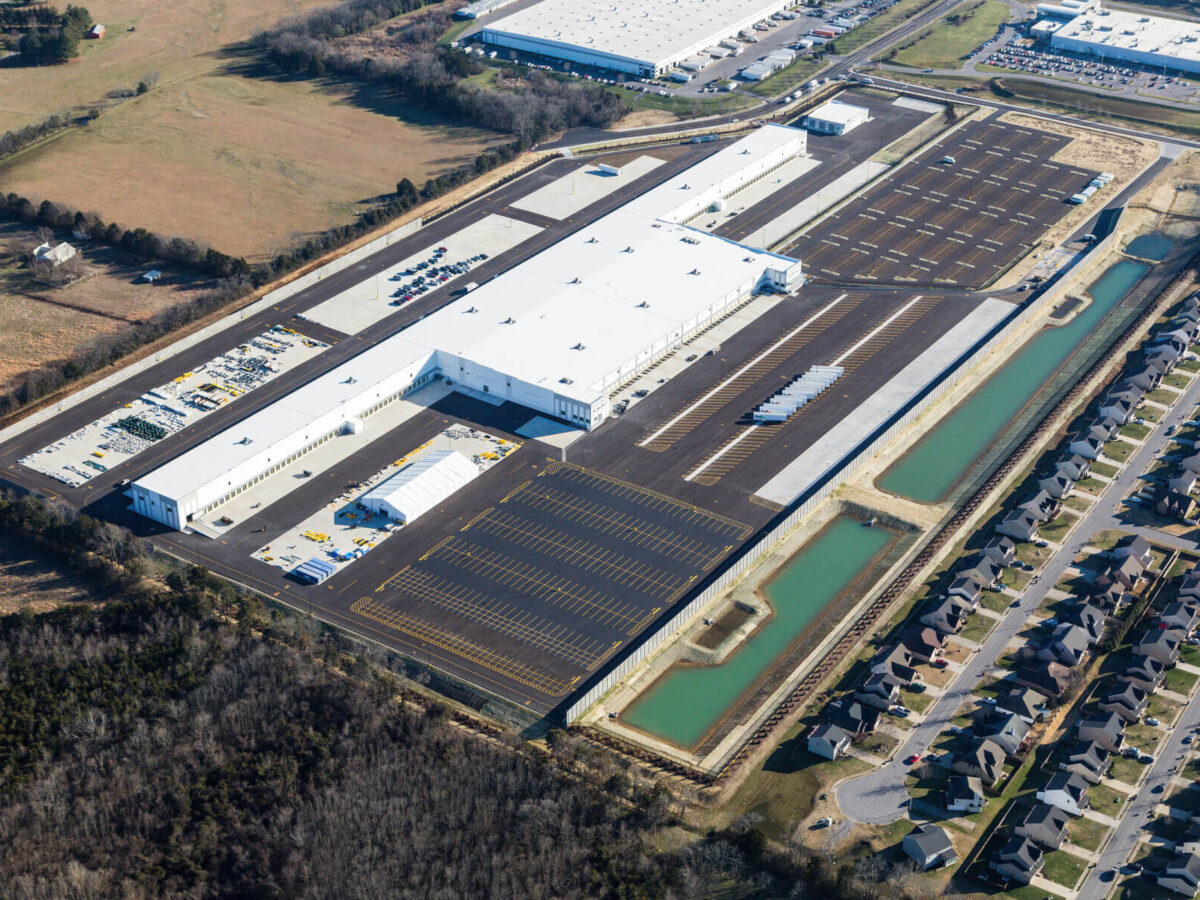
(1127, 700)
(1088, 760)
(853, 718)
(1045, 676)
(923, 643)
(1167, 353)
(54, 256)
(930, 847)
(1020, 524)
(964, 794)
(1109, 426)
(1182, 875)
(1022, 703)
(947, 614)
(1147, 377)
(1018, 861)
(1124, 572)
(1042, 505)
(1068, 645)
(898, 663)
(828, 741)
(1088, 444)
(1074, 466)
(1119, 409)
(1089, 618)
(1109, 597)
(1182, 616)
(985, 761)
(1162, 644)
(965, 587)
(1066, 791)
(1106, 730)
(1002, 550)
(1189, 588)
(1174, 505)
(880, 691)
(1057, 485)
(1182, 482)
(1145, 672)
(984, 570)
(1007, 730)
(1133, 545)
(1045, 825)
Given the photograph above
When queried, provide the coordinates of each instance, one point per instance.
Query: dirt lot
(30, 580)
(43, 323)
(244, 164)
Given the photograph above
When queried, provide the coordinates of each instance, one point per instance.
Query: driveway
(880, 796)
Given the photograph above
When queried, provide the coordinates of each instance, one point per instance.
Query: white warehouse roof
(553, 333)
(1116, 34)
(649, 33)
(419, 487)
(839, 113)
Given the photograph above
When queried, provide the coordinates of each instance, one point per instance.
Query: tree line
(180, 737)
(20, 138)
(534, 106)
(41, 45)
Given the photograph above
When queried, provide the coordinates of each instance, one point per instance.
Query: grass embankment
(880, 25)
(945, 44)
(1058, 98)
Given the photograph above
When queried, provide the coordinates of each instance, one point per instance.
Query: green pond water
(940, 459)
(686, 702)
(1152, 246)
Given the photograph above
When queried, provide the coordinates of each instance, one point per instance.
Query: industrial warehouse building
(835, 117)
(641, 37)
(556, 333)
(1118, 36)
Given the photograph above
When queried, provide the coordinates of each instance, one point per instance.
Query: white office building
(835, 117)
(556, 333)
(641, 37)
(1128, 37)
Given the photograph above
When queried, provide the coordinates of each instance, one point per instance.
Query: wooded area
(180, 737)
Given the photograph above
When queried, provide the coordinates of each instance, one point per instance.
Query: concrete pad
(918, 105)
(343, 526)
(811, 207)
(833, 447)
(577, 190)
(183, 401)
(371, 300)
(757, 191)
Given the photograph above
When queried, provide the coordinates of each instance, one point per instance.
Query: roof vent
(246, 441)
(471, 309)
(591, 240)
(579, 347)
(575, 281)
(627, 250)
(509, 321)
(566, 380)
(694, 272)
(643, 305)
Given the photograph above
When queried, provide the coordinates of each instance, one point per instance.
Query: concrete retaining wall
(655, 641)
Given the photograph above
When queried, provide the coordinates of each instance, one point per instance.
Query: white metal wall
(751, 555)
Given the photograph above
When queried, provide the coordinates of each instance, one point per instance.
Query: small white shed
(419, 487)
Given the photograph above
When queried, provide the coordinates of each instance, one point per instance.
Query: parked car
(1150, 720)
(912, 759)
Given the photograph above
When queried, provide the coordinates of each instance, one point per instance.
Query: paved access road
(880, 796)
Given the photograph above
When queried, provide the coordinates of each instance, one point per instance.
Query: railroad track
(850, 640)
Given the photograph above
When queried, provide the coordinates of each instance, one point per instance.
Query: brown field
(43, 323)
(28, 579)
(244, 164)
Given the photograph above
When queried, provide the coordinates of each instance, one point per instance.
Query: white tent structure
(419, 487)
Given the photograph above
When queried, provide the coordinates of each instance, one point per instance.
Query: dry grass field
(43, 323)
(244, 164)
(31, 580)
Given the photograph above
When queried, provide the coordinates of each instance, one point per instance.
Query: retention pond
(688, 701)
(938, 462)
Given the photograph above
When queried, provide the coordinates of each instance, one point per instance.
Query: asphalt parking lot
(941, 224)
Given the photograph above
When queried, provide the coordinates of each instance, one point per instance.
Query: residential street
(879, 796)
